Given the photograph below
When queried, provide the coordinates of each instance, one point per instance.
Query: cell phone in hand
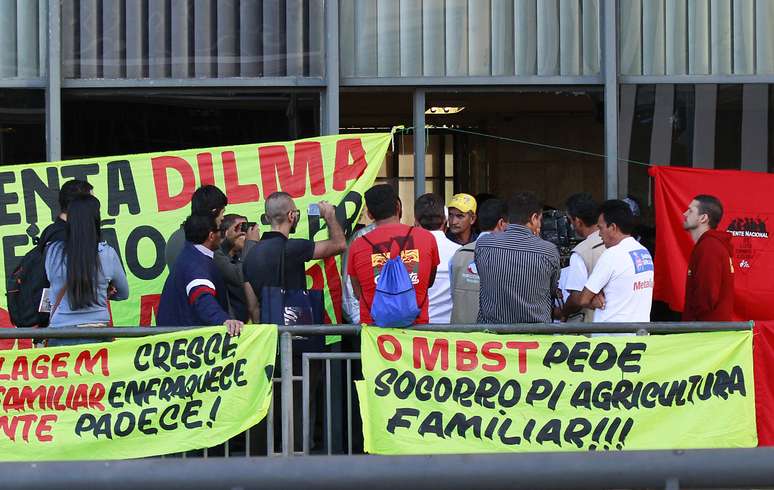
(246, 225)
(313, 210)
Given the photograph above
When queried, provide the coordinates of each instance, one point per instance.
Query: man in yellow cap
(462, 215)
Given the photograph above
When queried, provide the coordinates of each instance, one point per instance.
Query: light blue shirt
(111, 271)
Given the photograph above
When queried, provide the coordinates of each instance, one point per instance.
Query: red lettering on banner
(85, 359)
(466, 355)
(8, 425)
(58, 364)
(423, 353)
(42, 433)
(397, 350)
(333, 278)
(160, 166)
(522, 347)
(20, 369)
(237, 193)
(12, 425)
(42, 367)
(206, 174)
(275, 164)
(149, 308)
(488, 352)
(344, 171)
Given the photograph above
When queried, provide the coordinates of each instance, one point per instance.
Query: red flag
(748, 211)
(763, 368)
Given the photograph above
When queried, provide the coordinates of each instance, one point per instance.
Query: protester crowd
(460, 262)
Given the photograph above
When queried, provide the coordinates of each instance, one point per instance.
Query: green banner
(432, 393)
(146, 197)
(135, 397)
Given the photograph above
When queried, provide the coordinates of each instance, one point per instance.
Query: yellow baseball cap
(463, 202)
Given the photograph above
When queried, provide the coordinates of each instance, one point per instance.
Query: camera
(246, 225)
(557, 229)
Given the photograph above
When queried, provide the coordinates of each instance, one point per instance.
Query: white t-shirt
(625, 274)
(439, 296)
(576, 272)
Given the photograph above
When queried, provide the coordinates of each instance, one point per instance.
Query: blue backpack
(395, 301)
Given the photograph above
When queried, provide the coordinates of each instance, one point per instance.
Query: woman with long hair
(82, 271)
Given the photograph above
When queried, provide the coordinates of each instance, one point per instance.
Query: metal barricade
(287, 378)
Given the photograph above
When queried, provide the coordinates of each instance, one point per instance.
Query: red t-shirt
(419, 254)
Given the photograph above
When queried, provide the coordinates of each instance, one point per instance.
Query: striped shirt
(519, 276)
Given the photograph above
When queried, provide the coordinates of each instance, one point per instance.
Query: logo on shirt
(748, 227)
(410, 259)
(638, 285)
(642, 260)
(472, 269)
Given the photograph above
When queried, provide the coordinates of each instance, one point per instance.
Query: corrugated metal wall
(411, 38)
(191, 38)
(23, 28)
(696, 37)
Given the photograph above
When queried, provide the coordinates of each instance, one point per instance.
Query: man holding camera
(239, 236)
(262, 264)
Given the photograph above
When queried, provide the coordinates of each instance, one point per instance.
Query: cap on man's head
(463, 202)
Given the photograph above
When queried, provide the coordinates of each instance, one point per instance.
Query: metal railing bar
(715, 468)
(328, 414)
(528, 328)
(349, 406)
(305, 400)
(332, 355)
(286, 348)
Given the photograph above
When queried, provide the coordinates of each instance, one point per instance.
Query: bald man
(262, 265)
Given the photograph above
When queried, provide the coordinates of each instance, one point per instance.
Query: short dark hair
(197, 228)
(429, 211)
(618, 212)
(493, 210)
(71, 190)
(521, 207)
(583, 207)
(206, 198)
(382, 202)
(711, 206)
(228, 222)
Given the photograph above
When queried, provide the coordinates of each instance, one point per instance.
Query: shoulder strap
(282, 264)
(405, 239)
(59, 298)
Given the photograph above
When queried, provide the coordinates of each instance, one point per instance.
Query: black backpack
(24, 288)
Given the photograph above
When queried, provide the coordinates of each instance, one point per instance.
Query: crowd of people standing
(467, 262)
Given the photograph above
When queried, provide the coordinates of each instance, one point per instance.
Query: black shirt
(261, 266)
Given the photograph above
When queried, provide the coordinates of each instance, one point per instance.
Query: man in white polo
(620, 288)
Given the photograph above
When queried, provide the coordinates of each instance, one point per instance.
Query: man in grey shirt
(519, 271)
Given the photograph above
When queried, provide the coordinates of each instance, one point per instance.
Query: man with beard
(709, 289)
(261, 267)
(235, 246)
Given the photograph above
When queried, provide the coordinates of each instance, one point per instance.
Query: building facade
(554, 96)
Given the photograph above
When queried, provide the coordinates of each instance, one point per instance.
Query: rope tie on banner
(403, 129)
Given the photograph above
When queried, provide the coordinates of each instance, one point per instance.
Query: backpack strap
(59, 298)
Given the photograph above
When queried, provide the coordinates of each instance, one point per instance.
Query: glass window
(186, 39)
(114, 122)
(22, 126)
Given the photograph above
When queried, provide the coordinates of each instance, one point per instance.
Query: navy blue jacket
(194, 294)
